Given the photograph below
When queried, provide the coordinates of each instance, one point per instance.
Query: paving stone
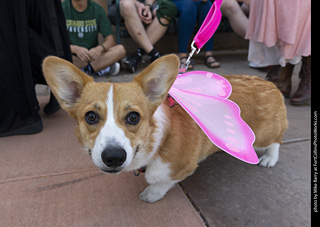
(47, 180)
(229, 192)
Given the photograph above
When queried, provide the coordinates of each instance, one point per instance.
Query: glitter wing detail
(204, 95)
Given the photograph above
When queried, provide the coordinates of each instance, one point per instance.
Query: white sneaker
(103, 71)
(114, 69)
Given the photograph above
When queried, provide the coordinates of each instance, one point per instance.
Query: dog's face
(116, 122)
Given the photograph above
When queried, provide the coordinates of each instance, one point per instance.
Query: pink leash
(206, 31)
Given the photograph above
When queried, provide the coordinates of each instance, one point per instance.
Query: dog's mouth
(112, 171)
(136, 151)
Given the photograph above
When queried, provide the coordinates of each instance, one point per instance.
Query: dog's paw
(267, 161)
(156, 191)
(271, 156)
(151, 194)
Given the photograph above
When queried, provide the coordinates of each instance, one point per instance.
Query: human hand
(144, 13)
(83, 53)
(95, 52)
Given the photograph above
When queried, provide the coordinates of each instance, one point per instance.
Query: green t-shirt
(84, 27)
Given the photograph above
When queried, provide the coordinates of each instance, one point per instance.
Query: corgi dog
(126, 126)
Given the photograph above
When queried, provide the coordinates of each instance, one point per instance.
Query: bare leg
(134, 25)
(155, 30)
(78, 62)
(108, 58)
(238, 20)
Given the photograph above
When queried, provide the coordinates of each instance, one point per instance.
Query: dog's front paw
(271, 156)
(156, 191)
(267, 161)
(151, 194)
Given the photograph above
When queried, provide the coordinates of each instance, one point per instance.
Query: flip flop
(191, 65)
(211, 64)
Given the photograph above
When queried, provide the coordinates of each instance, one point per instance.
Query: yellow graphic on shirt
(81, 26)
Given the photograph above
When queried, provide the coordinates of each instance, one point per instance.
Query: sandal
(211, 64)
(191, 64)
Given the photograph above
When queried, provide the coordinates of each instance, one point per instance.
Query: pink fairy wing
(205, 83)
(204, 97)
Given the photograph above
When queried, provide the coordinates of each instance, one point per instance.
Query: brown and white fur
(126, 126)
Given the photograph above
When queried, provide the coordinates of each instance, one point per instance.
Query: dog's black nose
(114, 156)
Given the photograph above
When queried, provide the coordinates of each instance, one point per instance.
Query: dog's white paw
(155, 192)
(271, 156)
(151, 194)
(267, 161)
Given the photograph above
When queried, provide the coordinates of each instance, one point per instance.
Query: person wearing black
(30, 30)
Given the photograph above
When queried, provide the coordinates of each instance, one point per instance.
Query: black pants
(26, 38)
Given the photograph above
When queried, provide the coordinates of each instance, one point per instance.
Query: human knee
(121, 50)
(230, 7)
(126, 7)
(117, 51)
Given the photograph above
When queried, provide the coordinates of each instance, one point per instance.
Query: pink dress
(283, 27)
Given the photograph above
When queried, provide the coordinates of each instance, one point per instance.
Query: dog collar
(140, 170)
(171, 101)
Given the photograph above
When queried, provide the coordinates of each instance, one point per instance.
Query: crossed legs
(145, 38)
(106, 59)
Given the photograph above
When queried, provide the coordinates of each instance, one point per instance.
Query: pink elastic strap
(209, 25)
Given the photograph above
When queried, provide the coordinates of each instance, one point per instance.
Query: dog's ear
(157, 79)
(65, 80)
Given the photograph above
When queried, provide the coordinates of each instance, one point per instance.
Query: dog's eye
(133, 118)
(91, 117)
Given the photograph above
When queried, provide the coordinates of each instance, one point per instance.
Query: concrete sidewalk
(47, 180)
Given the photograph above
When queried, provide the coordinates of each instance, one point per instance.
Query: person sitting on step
(85, 19)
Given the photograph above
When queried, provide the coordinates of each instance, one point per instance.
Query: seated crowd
(146, 22)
